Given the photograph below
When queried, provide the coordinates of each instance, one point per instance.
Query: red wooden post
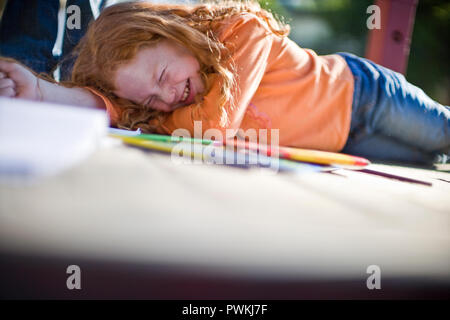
(389, 46)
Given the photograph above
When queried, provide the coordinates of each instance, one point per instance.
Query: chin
(175, 107)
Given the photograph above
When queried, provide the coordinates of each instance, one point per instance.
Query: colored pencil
(288, 153)
(168, 147)
(305, 155)
(164, 138)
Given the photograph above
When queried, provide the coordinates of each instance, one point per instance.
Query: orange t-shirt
(281, 86)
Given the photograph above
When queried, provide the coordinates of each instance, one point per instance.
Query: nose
(168, 94)
(165, 98)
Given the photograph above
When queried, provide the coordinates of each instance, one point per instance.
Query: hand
(17, 81)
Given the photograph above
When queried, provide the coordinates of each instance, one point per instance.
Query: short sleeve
(113, 112)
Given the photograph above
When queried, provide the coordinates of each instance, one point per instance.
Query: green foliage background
(428, 65)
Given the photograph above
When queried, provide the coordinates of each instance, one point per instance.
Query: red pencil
(305, 155)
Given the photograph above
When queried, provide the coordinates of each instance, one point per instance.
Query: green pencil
(168, 147)
(164, 138)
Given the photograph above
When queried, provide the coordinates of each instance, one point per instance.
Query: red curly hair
(122, 29)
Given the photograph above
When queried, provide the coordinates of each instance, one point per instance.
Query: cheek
(186, 68)
(122, 88)
(195, 75)
(131, 88)
(192, 64)
(124, 92)
(198, 84)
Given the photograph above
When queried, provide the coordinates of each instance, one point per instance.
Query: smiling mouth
(187, 91)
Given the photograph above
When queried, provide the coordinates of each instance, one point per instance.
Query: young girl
(230, 66)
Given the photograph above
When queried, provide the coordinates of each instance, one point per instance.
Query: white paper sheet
(42, 139)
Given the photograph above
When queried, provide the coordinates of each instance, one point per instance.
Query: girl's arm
(17, 81)
(52, 92)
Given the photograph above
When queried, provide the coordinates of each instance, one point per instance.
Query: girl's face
(164, 77)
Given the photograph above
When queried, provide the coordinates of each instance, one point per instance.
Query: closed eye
(162, 74)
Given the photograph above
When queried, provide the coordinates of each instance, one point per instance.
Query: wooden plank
(130, 205)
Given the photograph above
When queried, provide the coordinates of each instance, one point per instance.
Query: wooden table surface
(204, 223)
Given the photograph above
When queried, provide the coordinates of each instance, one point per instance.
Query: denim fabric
(28, 33)
(72, 37)
(393, 119)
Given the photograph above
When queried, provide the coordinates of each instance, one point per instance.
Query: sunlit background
(329, 26)
(140, 226)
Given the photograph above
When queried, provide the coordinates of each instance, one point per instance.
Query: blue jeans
(392, 119)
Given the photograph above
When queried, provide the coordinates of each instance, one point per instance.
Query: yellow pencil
(288, 153)
(305, 155)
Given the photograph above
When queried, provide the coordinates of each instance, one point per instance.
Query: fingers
(7, 66)
(7, 85)
(8, 92)
(6, 82)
